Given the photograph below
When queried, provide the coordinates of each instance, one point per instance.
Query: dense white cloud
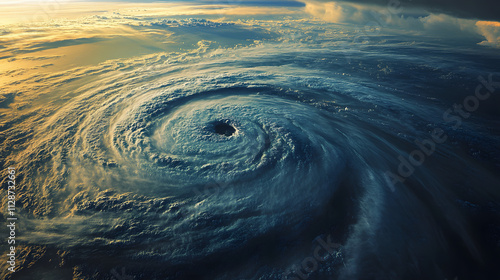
(491, 31)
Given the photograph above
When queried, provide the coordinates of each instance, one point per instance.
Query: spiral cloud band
(240, 156)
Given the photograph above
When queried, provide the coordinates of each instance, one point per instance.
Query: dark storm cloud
(473, 9)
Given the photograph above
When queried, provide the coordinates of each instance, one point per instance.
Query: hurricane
(286, 155)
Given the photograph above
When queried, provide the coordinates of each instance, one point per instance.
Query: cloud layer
(480, 9)
(396, 16)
